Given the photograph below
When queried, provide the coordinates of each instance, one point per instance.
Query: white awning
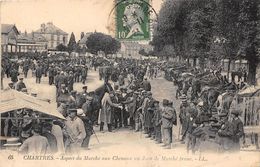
(12, 100)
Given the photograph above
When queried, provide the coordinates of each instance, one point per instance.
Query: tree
(249, 36)
(82, 35)
(72, 43)
(61, 47)
(226, 29)
(101, 42)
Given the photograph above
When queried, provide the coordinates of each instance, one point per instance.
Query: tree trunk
(202, 62)
(194, 62)
(229, 63)
(188, 62)
(252, 73)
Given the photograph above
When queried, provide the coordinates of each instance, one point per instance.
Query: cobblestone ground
(128, 148)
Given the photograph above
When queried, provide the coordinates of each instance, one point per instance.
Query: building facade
(131, 49)
(31, 43)
(52, 34)
(9, 36)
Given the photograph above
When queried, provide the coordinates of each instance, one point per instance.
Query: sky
(69, 15)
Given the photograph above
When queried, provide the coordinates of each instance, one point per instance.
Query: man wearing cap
(238, 129)
(168, 119)
(163, 107)
(86, 118)
(76, 131)
(20, 85)
(36, 144)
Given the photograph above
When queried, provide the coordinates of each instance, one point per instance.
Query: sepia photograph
(130, 83)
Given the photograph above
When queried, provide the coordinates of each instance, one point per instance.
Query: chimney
(32, 34)
(25, 33)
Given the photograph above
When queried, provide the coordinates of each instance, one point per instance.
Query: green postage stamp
(132, 20)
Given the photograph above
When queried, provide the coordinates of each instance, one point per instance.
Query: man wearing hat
(184, 116)
(84, 72)
(20, 85)
(130, 105)
(157, 122)
(36, 144)
(46, 132)
(147, 103)
(38, 73)
(70, 81)
(51, 74)
(76, 131)
(225, 133)
(238, 129)
(14, 75)
(106, 111)
(146, 85)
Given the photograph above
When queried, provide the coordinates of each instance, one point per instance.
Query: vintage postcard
(123, 83)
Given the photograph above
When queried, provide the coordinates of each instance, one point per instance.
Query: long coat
(147, 104)
(106, 111)
(38, 72)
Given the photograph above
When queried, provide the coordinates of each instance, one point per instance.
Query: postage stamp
(132, 20)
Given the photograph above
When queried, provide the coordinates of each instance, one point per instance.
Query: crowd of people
(126, 100)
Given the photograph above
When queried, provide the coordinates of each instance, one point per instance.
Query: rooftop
(85, 38)
(50, 28)
(6, 28)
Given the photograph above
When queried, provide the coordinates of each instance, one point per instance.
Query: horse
(95, 105)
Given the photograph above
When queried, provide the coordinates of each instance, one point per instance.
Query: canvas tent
(12, 100)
